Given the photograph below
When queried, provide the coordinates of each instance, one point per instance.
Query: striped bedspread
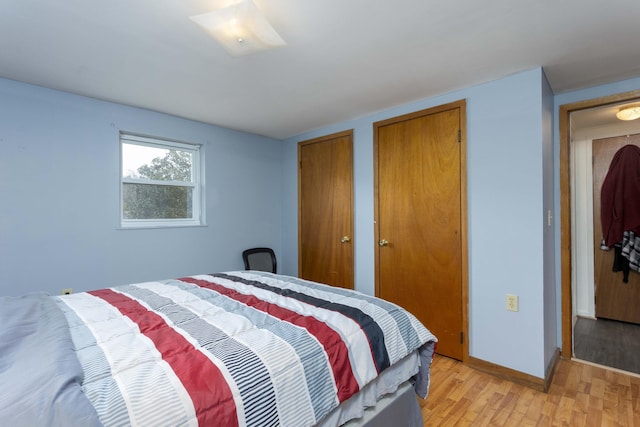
(236, 348)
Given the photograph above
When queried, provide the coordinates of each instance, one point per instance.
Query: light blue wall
(59, 149)
(59, 195)
(551, 299)
(505, 202)
(505, 222)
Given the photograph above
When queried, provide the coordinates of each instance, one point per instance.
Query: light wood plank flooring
(580, 395)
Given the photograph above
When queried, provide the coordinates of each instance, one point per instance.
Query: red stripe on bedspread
(212, 398)
(332, 342)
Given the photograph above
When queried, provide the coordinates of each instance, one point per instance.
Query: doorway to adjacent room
(588, 333)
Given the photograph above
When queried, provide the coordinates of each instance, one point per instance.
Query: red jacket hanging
(620, 196)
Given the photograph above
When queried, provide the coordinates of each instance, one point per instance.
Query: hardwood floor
(580, 395)
(608, 342)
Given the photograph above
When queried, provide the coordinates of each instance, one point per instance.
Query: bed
(227, 349)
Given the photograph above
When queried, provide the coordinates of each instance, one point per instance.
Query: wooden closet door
(326, 209)
(614, 299)
(419, 220)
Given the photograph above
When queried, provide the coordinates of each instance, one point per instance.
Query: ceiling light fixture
(630, 112)
(240, 28)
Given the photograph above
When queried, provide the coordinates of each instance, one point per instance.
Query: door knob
(383, 242)
(345, 239)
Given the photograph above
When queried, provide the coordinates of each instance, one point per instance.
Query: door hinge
(461, 337)
(459, 136)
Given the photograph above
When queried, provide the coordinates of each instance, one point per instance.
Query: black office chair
(262, 259)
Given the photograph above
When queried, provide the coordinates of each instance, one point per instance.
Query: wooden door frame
(462, 105)
(565, 206)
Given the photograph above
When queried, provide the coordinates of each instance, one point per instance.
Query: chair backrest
(262, 259)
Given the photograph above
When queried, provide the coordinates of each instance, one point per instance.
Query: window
(160, 182)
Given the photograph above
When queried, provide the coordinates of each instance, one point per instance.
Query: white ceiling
(343, 59)
(601, 116)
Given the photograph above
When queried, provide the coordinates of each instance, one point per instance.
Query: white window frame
(197, 182)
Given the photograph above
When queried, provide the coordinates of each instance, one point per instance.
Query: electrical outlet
(66, 291)
(512, 302)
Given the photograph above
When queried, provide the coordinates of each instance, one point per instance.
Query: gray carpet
(608, 342)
